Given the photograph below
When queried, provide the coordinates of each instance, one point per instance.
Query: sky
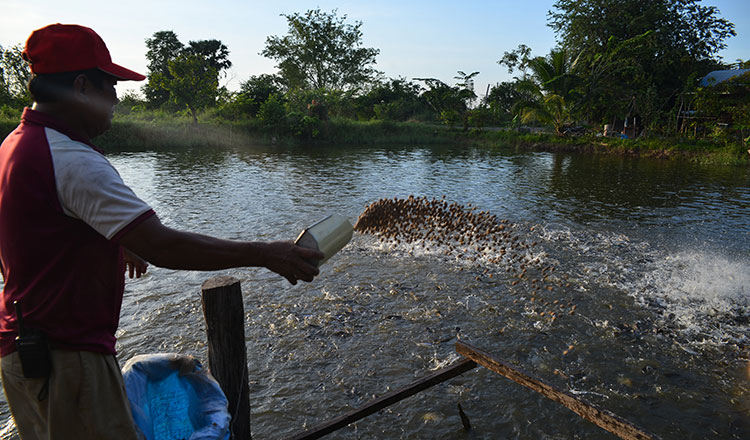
(416, 38)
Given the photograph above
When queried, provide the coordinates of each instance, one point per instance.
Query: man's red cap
(61, 48)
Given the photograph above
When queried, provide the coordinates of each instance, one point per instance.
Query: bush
(322, 103)
(272, 113)
(449, 117)
(304, 126)
(240, 107)
(10, 113)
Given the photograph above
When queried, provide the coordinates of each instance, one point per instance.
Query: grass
(132, 134)
(156, 130)
(695, 150)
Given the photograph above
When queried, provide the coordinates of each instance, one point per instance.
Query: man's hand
(134, 265)
(291, 261)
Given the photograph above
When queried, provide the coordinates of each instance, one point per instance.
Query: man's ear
(81, 86)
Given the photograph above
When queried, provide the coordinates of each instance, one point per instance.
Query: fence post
(224, 313)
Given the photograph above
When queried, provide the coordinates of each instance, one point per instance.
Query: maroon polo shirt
(63, 208)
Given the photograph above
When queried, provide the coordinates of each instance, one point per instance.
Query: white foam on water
(703, 295)
(706, 294)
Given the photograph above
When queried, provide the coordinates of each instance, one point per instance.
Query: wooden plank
(386, 400)
(224, 312)
(599, 416)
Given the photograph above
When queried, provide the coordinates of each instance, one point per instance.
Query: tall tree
(14, 76)
(614, 78)
(554, 89)
(321, 51)
(167, 55)
(163, 47)
(683, 37)
(192, 83)
(213, 51)
(517, 59)
(679, 26)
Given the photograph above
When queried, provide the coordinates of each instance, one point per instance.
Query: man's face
(100, 105)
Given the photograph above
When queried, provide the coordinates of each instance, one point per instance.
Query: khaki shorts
(85, 398)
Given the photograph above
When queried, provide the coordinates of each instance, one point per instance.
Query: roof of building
(718, 76)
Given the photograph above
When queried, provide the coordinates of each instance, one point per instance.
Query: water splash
(705, 294)
(700, 295)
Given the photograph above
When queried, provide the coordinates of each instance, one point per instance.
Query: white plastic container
(328, 236)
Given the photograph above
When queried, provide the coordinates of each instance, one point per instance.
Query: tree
(5, 97)
(395, 100)
(466, 84)
(726, 103)
(192, 83)
(322, 51)
(680, 26)
(450, 103)
(682, 39)
(163, 47)
(14, 77)
(554, 88)
(213, 51)
(502, 98)
(130, 101)
(614, 78)
(517, 59)
(257, 89)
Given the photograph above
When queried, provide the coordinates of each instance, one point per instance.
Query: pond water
(651, 257)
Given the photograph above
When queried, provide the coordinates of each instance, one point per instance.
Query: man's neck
(64, 112)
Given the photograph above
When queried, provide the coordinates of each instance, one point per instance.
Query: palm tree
(553, 91)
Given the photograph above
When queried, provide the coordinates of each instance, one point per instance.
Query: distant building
(719, 76)
(716, 107)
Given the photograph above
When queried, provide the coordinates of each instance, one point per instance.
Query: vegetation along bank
(653, 88)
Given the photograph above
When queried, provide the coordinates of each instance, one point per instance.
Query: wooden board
(388, 399)
(599, 416)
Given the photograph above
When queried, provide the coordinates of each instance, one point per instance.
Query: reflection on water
(653, 255)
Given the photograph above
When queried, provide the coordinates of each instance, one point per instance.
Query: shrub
(272, 113)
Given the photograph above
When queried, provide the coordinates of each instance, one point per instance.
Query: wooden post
(224, 312)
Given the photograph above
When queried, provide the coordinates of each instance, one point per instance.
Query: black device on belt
(33, 349)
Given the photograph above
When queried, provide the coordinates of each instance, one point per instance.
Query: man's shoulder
(70, 153)
(61, 142)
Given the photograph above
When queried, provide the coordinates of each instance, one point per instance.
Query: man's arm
(173, 249)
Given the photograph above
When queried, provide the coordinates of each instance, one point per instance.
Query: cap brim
(121, 73)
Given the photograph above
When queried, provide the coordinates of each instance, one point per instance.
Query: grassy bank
(700, 151)
(174, 132)
(148, 135)
(132, 134)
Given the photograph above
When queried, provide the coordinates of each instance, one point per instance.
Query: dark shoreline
(127, 135)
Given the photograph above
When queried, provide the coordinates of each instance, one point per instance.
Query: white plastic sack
(173, 398)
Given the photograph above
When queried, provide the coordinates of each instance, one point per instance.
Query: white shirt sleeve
(90, 188)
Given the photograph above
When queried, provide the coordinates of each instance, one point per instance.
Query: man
(68, 228)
